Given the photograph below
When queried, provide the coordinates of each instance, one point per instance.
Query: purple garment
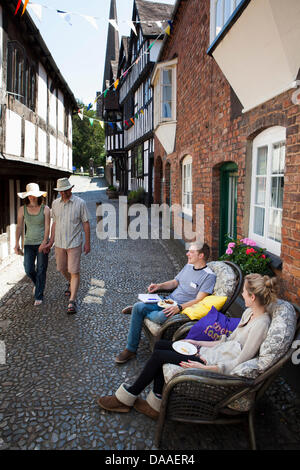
(213, 326)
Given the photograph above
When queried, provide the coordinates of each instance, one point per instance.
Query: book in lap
(149, 298)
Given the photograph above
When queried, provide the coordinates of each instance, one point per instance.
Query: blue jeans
(140, 311)
(37, 273)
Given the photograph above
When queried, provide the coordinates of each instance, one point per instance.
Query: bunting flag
(18, 6)
(132, 120)
(116, 84)
(24, 7)
(91, 121)
(89, 107)
(114, 24)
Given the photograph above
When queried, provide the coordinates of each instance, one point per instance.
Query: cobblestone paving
(57, 365)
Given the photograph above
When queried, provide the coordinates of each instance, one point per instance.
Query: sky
(77, 47)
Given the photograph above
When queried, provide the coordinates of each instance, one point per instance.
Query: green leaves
(88, 140)
(248, 256)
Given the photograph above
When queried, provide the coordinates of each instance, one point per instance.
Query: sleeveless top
(34, 227)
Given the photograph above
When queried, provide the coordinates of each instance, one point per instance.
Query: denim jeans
(35, 265)
(140, 311)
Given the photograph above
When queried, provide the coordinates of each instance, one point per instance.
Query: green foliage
(88, 140)
(248, 256)
(137, 196)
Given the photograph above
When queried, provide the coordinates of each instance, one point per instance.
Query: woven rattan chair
(204, 397)
(154, 331)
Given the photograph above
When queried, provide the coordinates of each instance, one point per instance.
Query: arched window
(268, 163)
(187, 185)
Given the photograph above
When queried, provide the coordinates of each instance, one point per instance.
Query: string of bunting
(67, 16)
(115, 85)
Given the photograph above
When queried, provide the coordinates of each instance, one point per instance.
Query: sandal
(72, 307)
(67, 291)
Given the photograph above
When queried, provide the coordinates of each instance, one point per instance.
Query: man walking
(194, 282)
(70, 216)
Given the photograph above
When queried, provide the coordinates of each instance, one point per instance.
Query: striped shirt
(69, 217)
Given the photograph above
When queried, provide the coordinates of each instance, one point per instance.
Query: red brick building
(227, 125)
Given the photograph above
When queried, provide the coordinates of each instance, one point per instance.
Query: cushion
(277, 342)
(212, 326)
(200, 309)
(226, 278)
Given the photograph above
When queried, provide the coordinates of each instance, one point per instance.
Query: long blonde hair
(263, 287)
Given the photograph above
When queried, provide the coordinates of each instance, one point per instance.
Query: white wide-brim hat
(32, 189)
(63, 184)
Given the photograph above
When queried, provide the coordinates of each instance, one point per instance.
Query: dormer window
(164, 84)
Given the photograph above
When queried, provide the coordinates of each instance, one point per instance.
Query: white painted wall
(61, 112)
(13, 133)
(29, 141)
(42, 93)
(53, 151)
(52, 109)
(42, 146)
(1, 44)
(60, 152)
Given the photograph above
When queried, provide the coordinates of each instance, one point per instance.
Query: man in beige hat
(70, 217)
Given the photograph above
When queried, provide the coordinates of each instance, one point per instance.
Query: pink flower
(248, 241)
(229, 251)
(231, 245)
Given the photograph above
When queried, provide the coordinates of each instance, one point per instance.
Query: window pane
(166, 110)
(275, 221)
(259, 220)
(261, 164)
(278, 158)
(260, 191)
(277, 191)
(167, 93)
(167, 77)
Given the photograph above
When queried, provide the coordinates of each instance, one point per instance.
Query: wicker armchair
(229, 283)
(195, 396)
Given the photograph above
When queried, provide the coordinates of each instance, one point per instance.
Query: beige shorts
(68, 260)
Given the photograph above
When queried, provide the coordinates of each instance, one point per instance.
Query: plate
(167, 303)
(183, 347)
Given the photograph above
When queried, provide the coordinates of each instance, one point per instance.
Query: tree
(88, 139)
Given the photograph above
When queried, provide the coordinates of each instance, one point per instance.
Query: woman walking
(36, 216)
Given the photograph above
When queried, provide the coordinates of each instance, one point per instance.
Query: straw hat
(32, 189)
(63, 184)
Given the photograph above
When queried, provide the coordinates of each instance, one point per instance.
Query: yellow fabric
(199, 310)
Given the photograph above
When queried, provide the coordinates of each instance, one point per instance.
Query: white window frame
(187, 185)
(157, 84)
(267, 138)
(233, 4)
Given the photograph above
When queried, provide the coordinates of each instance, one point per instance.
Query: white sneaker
(37, 302)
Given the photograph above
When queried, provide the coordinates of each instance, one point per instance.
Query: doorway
(228, 203)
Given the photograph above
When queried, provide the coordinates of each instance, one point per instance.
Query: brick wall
(211, 129)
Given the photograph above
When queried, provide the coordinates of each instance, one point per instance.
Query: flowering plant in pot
(248, 256)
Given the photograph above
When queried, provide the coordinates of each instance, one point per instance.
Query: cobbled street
(57, 365)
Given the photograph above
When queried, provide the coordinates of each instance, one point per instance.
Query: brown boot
(111, 403)
(142, 406)
(127, 310)
(124, 356)
(121, 402)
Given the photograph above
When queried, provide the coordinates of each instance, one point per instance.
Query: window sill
(276, 262)
(186, 216)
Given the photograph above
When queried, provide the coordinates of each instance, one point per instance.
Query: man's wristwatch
(180, 307)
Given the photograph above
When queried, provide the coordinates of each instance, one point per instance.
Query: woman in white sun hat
(36, 216)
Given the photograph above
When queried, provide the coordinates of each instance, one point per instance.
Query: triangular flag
(18, 6)
(91, 20)
(37, 10)
(132, 120)
(24, 7)
(111, 124)
(66, 16)
(114, 24)
(80, 115)
(91, 121)
(168, 30)
(116, 84)
(89, 107)
(119, 126)
(101, 124)
(131, 24)
(138, 59)
(142, 111)
(105, 93)
(125, 73)
(136, 115)
(127, 123)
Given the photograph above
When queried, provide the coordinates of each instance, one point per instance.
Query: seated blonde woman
(218, 356)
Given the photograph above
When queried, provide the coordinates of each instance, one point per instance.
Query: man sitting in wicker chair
(194, 282)
(219, 356)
